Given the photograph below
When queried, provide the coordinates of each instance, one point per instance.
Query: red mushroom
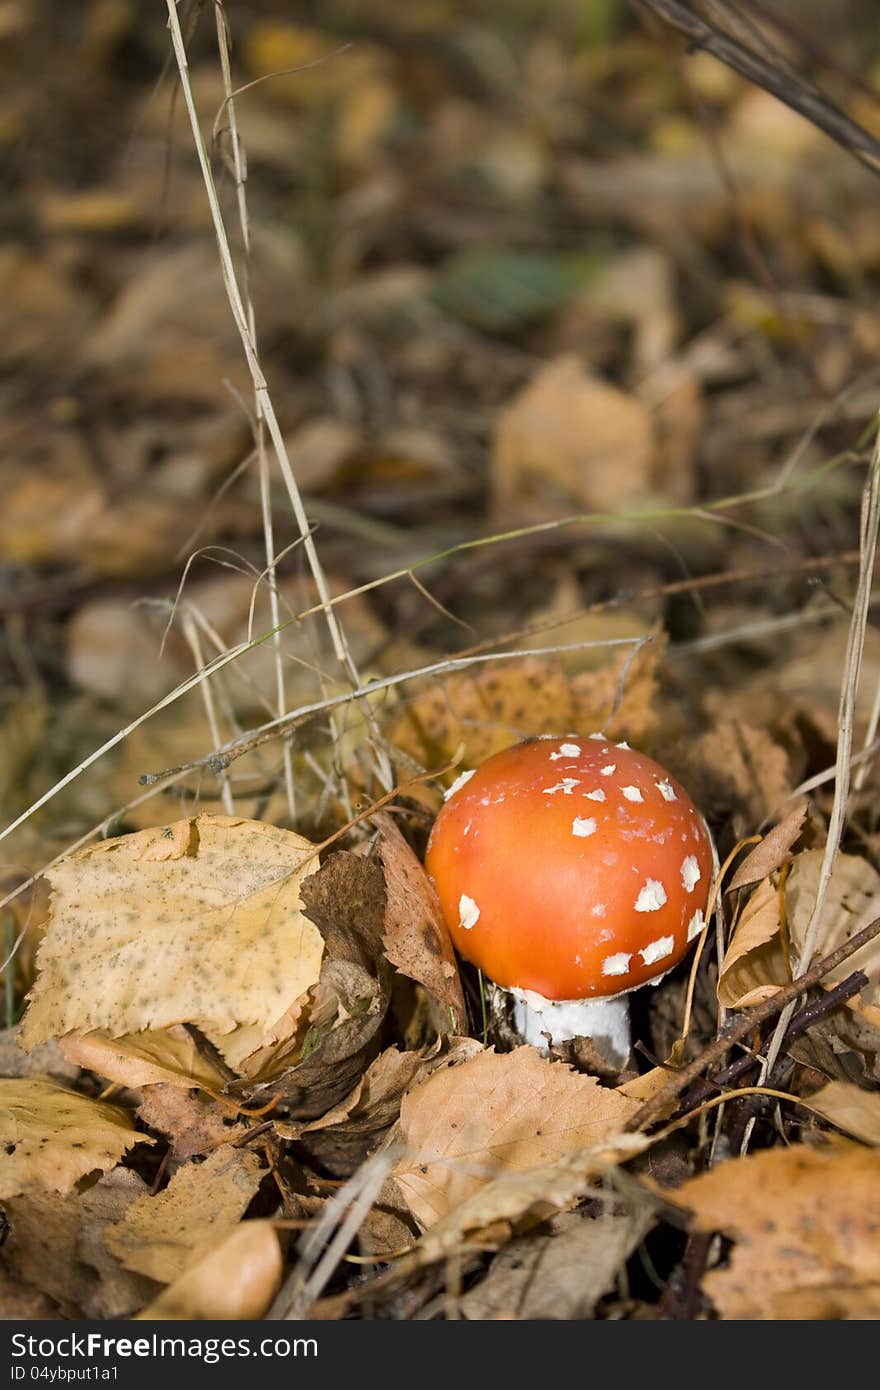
(572, 871)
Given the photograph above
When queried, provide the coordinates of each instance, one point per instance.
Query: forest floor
(521, 378)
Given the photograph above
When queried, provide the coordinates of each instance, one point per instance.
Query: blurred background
(512, 263)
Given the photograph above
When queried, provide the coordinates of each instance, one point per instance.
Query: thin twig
(793, 91)
(747, 1020)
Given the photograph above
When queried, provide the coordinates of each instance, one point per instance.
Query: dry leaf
(236, 1278)
(197, 922)
(162, 1235)
(753, 967)
(773, 850)
(194, 1123)
(479, 713)
(570, 441)
(563, 1274)
(805, 1224)
(851, 1108)
(57, 1245)
(336, 1037)
(492, 1115)
(851, 903)
(145, 1059)
(340, 1140)
(51, 1137)
(737, 768)
(416, 937)
(516, 1200)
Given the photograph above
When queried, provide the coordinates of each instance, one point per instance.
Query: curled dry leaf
(162, 1235)
(336, 1036)
(773, 851)
(851, 1108)
(51, 1137)
(805, 1223)
(198, 921)
(236, 1278)
(416, 937)
(497, 1114)
(145, 1059)
(754, 965)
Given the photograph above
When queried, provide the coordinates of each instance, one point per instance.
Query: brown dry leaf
(337, 1034)
(563, 1274)
(51, 1137)
(40, 306)
(851, 1108)
(236, 1278)
(480, 713)
(194, 1124)
(57, 1245)
(773, 850)
(851, 903)
(570, 441)
(194, 922)
(340, 1140)
(484, 711)
(619, 697)
(416, 937)
(805, 1224)
(753, 967)
(736, 767)
(496, 1114)
(144, 1059)
(516, 1200)
(162, 1235)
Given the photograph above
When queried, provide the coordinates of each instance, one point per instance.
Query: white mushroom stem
(604, 1020)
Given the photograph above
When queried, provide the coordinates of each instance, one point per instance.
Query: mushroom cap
(571, 867)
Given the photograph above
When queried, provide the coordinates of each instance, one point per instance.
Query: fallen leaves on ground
(754, 964)
(58, 1245)
(570, 441)
(853, 1109)
(51, 1137)
(337, 1033)
(496, 1114)
(477, 713)
(161, 1235)
(804, 1222)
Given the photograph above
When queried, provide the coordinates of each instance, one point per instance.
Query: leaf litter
(240, 1014)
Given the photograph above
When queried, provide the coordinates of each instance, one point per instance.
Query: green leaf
(500, 291)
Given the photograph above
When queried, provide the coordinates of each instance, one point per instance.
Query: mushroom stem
(604, 1020)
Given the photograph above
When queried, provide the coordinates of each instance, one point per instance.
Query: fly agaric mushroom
(571, 871)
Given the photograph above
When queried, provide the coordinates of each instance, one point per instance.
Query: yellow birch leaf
(196, 922)
(51, 1137)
